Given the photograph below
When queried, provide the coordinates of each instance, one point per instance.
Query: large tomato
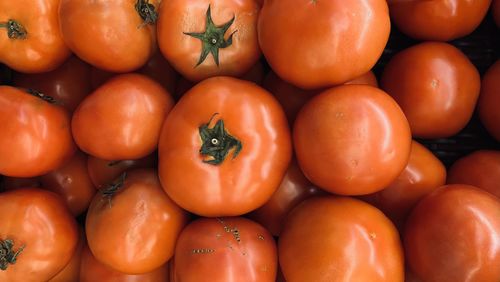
(69, 83)
(480, 169)
(132, 225)
(225, 249)
(489, 99)
(352, 140)
(35, 134)
(71, 272)
(30, 38)
(339, 239)
(224, 148)
(122, 119)
(314, 44)
(209, 38)
(438, 20)
(436, 86)
(117, 36)
(453, 235)
(38, 235)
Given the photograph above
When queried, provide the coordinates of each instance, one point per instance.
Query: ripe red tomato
(480, 169)
(453, 235)
(423, 174)
(35, 134)
(122, 119)
(71, 271)
(38, 235)
(209, 38)
(132, 225)
(69, 83)
(339, 239)
(489, 99)
(224, 148)
(225, 249)
(71, 181)
(30, 38)
(438, 20)
(436, 86)
(352, 140)
(315, 44)
(117, 36)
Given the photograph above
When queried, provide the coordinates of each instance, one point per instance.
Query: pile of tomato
(246, 140)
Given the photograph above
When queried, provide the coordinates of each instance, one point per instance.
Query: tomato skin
(423, 174)
(40, 221)
(339, 239)
(122, 119)
(69, 83)
(489, 100)
(71, 271)
(356, 131)
(141, 220)
(238, 184)
(367, 78)
(108, 35)
(43, 49)
(225, 249)
(35, 136)
(438, 93)
(480, 169)
(327, 43)
(452, 235)
(438, 20)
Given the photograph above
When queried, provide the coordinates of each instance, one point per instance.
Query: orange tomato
(489, 99)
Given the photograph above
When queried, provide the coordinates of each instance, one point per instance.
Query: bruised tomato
(489, 100)
(224, 148)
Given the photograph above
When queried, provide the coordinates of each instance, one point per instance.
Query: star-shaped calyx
(213, 38)
(217, 142)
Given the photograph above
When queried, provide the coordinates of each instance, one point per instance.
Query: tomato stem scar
(147, 12)
(7, 254)
(14, 29)
(217, 142)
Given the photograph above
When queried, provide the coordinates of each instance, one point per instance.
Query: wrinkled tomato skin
(333, 238)
(142, 220)
(327, 43)
(35, 136)
(43, 49)
(68, 84)
(452, 235)
(39, 221)
(71, 271)
(225, 249)
(480, 169)
(489, 99)
(438, 93)
(356, 131)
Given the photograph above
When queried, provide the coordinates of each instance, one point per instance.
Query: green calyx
(7, 254)
(213, 38)
(14, 29)
(217, 142)
(109, 192)
(147, 12)
(42, 96)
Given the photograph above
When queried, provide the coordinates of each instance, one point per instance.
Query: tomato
(132, 225)
(367, 78)
(30, 37)
(35, 135)
(72, 182)
(103, 172)
(69, 83)
(352, 140)
(438, 93)
(122, 119)
(326, 43)
(480, 169)
(339, 239)
(489, 100)
(92, 270)
(38, 235)
(71, 272)
(453, 235)
(231, 138)
(225, 249)
(423, 174)
(205, 38)
(294, 188)
(117, 36)
(438, 20)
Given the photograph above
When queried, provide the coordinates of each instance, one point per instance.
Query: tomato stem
(147, 12)
(217, 142)
(14, 29)
(113, 188)
(42, 96)
(7, 254)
